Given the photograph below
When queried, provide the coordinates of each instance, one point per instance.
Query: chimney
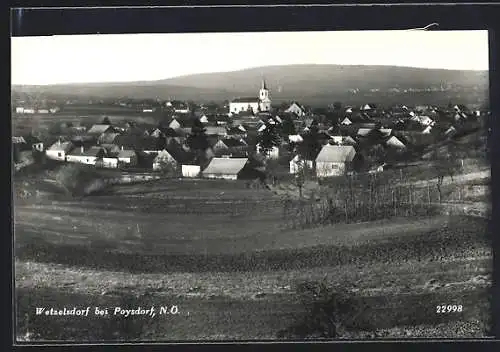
(122, 147)
(81, 149)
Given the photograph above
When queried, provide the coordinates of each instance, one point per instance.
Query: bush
(330, 311)
(79, 180)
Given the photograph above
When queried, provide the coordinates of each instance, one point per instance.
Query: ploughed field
(233, 270)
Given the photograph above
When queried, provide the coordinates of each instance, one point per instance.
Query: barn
(334, 160)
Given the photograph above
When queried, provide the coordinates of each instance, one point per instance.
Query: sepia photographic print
(251, 186)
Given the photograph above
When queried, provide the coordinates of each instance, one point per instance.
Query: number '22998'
(449, 308)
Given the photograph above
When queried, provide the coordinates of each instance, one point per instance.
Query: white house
(427, 130)
(43, 111)
(54, 110)
(29, 111)
(204, 119)
(174, 124)
(334, 160)
(273, 153)
(147, 110)
(298, 162)
(58, 150)
(225, 168)
(296, 109)
(19, 110)
(111, 163)
(163, 158)
(191, 170)
(295, 138)
(82, 156)
(128, 157)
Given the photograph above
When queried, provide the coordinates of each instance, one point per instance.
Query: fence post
(429, 194)
(346, 216)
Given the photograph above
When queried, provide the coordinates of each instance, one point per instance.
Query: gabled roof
(136, 142)
(336, 153)
(215, 130)
(225, 166)
(98, 129)
(364, 131)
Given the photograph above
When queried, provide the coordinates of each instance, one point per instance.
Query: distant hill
(311, 84)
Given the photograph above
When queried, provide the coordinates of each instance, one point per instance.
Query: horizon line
(243, 69)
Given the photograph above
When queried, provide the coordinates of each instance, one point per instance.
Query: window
(87, 160)
(59, 154)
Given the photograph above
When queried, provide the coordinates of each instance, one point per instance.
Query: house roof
(336, 153)
(126, 153)
(92, 151)
(62, 146)
(136, 142)
(215, 130)
(364, 131)
(98, 129)
(18, 140)
(225, 166)
(108, 138)
(164, 155)
(245, 100)
(233, 142)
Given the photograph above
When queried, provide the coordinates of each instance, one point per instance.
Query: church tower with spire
(264, 99)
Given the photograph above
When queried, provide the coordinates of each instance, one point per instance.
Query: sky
(144, 57)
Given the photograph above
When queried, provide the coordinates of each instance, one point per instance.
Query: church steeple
(263, 85)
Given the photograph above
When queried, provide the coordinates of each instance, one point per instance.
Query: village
(250, 138)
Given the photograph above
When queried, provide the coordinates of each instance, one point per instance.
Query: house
(225, 168)
(179, 106)
(427, 130)
(85, 156)
(190, 170)
(366, 107)
(273, 153)
(111, 149)
(204, 119)
(59, 150)
(237, 132)
(450, 132)
(99, 129)
(395, 143)
(17, 147)
(425, 120)
(43, 111)
(29, 111)
(148, 145)
(230, 147)
(163, 159)
(174, 124)
(364, 132)
(298, 163)
(127, 157)
(296, 108)
(385, 132)
(295, 138)
(19, 110)
(156, 133)
(335, 160)
(54, 110)
(107, 138)
(346, 121)
(215, 131)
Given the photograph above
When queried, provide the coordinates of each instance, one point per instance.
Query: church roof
(245, 100)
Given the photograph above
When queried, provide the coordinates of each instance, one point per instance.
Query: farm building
(191, 170)
(296, 108)
(346, 121)
(274, 153)
(82, 156)
(127, 157)
(298, 163)
(59, 150)
(334, 160)
(107, 162)
(164, 160)
(226, 168)
(107, 138)
(97, 130)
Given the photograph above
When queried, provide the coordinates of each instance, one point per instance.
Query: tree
(288, 127)
(268, 138)
(446, 164)
(106, 121)
(197, 140)
(311, 145)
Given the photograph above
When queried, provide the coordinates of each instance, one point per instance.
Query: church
(262, 103)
